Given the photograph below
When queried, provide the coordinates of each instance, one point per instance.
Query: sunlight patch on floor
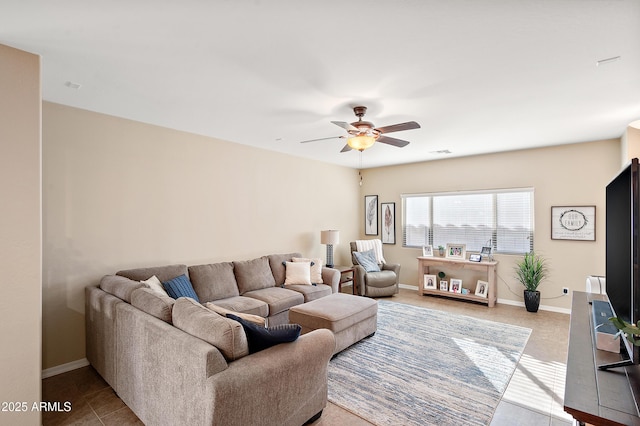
(539, 386)
(477, 353)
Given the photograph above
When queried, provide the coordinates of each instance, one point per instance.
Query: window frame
(429, 217)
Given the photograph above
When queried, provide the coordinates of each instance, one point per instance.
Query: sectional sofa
(176, 362)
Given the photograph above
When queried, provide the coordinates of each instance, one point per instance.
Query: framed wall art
(388, 216)
(371, 215)
(573, 223)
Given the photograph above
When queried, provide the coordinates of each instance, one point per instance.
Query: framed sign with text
(573, 223)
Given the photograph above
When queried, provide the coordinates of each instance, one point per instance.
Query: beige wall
(20, 233)
(630, 145)
(564, 175)
(121, 194)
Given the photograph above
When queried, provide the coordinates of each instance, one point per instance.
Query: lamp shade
(361, 142)
(329, 237)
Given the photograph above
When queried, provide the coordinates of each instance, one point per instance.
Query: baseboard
(541, 308)
(408, 287)
(63, 368)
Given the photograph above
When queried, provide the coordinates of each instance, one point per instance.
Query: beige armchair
(375, 284)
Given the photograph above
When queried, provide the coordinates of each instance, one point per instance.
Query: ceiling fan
(363, 134)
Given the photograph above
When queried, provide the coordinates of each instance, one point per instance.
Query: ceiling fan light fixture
(361, 142)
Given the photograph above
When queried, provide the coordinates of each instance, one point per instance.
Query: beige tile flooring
(533, 397)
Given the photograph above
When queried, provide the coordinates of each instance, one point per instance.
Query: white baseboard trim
(63, 368)
(541, 308)
(408, 287)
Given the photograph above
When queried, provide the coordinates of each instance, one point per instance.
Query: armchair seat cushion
(380, 279)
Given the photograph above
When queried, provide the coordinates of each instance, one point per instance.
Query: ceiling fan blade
(346, 148)
(322, 139)
(398, 127)
(392, 141)
(345, 125)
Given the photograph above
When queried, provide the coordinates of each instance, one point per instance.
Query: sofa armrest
(162, 372)
(359, 275)
(286, 383)
(331, 277)
(395, 267)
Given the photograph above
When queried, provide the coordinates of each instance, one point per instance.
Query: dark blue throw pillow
(180, 287)
(260, 338)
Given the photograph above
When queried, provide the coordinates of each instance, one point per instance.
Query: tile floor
(533, 397)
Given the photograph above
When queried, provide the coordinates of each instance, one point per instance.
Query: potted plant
(441, 250)
(530, 272)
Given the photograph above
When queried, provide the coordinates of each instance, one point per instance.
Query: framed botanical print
(371, 215)
(388, 216)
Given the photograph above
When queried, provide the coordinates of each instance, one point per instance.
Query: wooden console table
(489, 268)
(591, 395)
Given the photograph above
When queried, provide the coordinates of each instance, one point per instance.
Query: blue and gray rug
(427, 367)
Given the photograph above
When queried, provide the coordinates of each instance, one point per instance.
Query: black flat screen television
(622, 251)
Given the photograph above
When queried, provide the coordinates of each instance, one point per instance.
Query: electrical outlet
(565, 291)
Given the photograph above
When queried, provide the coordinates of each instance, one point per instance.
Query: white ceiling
(479, 76)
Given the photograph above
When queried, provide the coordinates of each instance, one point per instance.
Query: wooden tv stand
(591, 395)
(489, 268)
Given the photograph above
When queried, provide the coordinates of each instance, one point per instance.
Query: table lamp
(329, 237)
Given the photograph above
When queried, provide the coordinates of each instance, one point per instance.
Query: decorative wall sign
(573, 223)
(388, 216)
(371, 215)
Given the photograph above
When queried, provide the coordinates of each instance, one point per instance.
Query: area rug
(427, 367)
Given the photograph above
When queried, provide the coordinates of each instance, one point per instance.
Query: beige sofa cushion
(253, 274)
(255, 319)
(223, 333)
(153, 303)
(164, 273)
(214, 281)
(121, 287)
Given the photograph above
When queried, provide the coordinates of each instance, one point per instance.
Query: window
(500, 219)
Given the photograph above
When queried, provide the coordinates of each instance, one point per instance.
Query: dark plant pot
(532, 300)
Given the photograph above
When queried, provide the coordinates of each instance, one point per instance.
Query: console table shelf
(489, 268)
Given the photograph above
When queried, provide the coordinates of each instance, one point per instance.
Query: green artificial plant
(531, 270)
(630, 331)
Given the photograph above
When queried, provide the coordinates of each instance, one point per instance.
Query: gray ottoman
(350, 318)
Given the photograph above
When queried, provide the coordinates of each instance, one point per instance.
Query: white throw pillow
(298, 273)
(316, 268)
(154, 284)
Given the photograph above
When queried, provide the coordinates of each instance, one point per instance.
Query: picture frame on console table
(429, 282)
(577, 223)
(456, 251)
(482, 288)
(427, 251)
(371, 215)
(444, 285)
(455, 285)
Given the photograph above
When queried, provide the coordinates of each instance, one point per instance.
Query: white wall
(20, 233)
(562, 176)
